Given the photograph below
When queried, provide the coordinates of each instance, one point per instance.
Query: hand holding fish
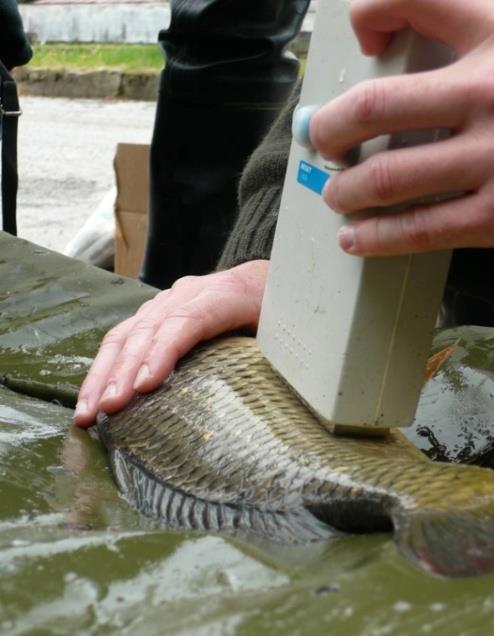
(459, 97)
(139, 353)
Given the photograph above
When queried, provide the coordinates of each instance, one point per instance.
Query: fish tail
(448, 543)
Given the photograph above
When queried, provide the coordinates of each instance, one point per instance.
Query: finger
(374, 32)
(464, 222)
(402, 175)
(120, 380)
(382, 106)
(118, 387)
(211, 313)
(241, 287)
(459, 24)
(148, 304)
(179, 333)
(119, 383)
(96, 380)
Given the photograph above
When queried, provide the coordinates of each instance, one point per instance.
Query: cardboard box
(131, 209)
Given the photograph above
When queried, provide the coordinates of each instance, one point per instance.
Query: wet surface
(53, 313)
(76, 558)
(455, 417)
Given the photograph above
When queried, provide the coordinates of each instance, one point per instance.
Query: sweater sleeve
(260, 193)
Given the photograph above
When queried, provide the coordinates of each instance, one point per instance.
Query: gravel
(66, 150)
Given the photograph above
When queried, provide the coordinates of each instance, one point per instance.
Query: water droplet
(402, 606)
(437, 607)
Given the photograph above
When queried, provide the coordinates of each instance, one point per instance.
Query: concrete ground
(66, 150)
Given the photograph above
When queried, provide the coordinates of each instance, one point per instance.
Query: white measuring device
(350, 335)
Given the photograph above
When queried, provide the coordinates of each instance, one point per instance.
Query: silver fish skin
(225, 444)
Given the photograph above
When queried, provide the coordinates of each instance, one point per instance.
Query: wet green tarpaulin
(75, 558)
(53, 312)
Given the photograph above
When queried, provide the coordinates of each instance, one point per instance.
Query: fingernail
(110, 391)
(81, 408)
(142, 375)
(346, 237)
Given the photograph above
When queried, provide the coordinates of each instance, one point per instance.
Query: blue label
(311, 177)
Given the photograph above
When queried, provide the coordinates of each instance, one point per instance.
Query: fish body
(225, 444)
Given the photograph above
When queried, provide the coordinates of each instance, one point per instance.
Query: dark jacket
(14, 46)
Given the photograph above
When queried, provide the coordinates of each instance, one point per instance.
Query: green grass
(131, 58)
(87, 57)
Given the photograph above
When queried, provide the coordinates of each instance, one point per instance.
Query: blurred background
(91, 84)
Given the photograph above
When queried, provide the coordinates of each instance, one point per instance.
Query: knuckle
(162, 345)
(190, 313)
(186, 317)
(125, 362)
(416, 231)
(129, 359)
(369, 102)
(184, 282)
(160, 296)
(114, 376)
(144, 325)
(480, 91)
(112, 337)
(484, 216)
(382, 181)
(378, 236)
(144, 307)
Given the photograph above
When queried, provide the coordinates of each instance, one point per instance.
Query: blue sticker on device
(311, 177)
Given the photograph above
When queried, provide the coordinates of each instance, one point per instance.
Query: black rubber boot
(227, 76)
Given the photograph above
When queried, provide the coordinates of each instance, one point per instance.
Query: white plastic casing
(350, 335)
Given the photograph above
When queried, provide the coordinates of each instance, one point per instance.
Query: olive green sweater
(260, 193)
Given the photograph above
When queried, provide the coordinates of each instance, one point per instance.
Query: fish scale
(237, 445)
(225, 444)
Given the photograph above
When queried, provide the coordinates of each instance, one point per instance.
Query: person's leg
(226, 77)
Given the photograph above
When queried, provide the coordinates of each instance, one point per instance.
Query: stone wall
(87, 84)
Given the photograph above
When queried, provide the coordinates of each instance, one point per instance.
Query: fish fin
(176, 509)
(446, 543)
(435, 362)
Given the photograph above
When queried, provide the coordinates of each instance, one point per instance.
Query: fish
(226, 445)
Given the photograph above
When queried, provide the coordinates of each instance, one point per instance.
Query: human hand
(139, 353)
(459, 97)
